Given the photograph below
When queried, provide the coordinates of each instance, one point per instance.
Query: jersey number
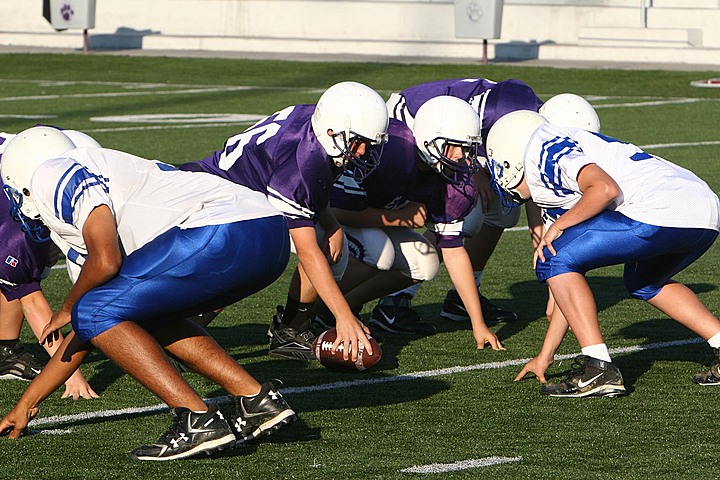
(236, 144)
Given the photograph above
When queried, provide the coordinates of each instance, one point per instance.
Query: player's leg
(15, 362)
(179, 273)
(369, 273)
(258, 409)
(196, 428)
(651, 280)
(483, 231)
(290, 333)
(415, 260)
(607, 239)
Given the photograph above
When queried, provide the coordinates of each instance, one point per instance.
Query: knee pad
(371, 246)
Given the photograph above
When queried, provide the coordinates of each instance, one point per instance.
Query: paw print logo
(473, 11)
(66, 11)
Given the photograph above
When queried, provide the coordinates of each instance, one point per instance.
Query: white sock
(714, 341)
(599, 351)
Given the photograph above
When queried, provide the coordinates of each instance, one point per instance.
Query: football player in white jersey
(25, 264)
(605, 202)
(152, 245)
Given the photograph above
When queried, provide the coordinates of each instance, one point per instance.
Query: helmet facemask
(21, 158)
(358, 166)
(506, 147)
(455, 171)
(33, 227)
(347, 115)
(501, 179)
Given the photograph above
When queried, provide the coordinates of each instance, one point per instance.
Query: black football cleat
(395, 314)
(454, 309)
(712, 375)
(591, 377)
(190, 434)
(18, 364)
(260, 415)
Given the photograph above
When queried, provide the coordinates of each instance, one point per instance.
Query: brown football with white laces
(322, 349)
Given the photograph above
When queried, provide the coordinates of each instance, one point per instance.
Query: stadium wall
(673, 31)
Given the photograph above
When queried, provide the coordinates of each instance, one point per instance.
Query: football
(322, 349)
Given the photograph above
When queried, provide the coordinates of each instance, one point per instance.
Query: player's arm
(67, 359)
(412, 215)
(535, 225)
(37, 311)
(350, 330)
(332, 243)
(556, 331)
(102, 263)
(598, 189)
(460, 270)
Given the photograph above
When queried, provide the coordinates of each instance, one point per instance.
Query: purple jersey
(281, 157)
(398, 180)
(22, 260)
(490, 99)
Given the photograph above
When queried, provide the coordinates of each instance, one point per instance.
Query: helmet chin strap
(37, 232)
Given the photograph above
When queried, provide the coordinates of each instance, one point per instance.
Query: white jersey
(652, 190)
(146, 197)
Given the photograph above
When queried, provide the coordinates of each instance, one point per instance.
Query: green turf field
(433, 400)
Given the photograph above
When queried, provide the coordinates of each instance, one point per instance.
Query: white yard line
(462, 465)
(56, 419)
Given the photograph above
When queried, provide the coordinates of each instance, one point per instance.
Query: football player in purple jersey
(24, 264)
(424, 180)
(484, 226)
(294, 156)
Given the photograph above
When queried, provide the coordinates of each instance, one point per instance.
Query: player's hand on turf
(51, 332)
(15, 423)
(77, 388)
(350, 332)
(550, 236)
(538, 366)
(483, 336)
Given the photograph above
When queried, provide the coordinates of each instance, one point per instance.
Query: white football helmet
(80, 139)
(448, 121)
(506, 144)
(25, 152)
(570, 110)
(352, 112)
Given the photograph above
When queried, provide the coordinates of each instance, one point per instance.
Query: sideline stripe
(687, 144)
(463, 465)
(353, 383)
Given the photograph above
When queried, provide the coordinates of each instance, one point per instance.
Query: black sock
(297, 315)
(9, 343)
